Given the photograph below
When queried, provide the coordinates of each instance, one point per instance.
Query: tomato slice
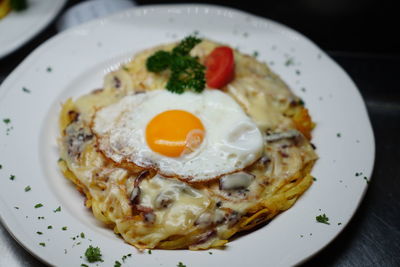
(220, 66)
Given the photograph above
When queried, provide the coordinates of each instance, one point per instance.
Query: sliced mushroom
(135, 194)
(291, 134)
(118, 80)
(236, 181)
(164, 199)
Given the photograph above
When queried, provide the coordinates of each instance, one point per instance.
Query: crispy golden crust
(151, 211)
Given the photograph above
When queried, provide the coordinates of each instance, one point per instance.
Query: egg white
(232, 140)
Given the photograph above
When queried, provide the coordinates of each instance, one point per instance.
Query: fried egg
(195, 137)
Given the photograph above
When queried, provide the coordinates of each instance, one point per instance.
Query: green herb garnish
(6, 121)
(289, 62)
(82, 235)
(186, 71)
(38, 206)
(49, 227)
(64, 228)
(18, 5)
(42, 244)
(28, 188)
(84, 265)
(117, 264)
(180, 264)
(12, 177)
(322, 219)
(39, 233)
(93, 254)
(26, 90)
(57, 209)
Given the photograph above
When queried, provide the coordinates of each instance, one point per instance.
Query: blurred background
(365, 26)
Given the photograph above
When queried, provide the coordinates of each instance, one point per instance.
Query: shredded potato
(203, 215)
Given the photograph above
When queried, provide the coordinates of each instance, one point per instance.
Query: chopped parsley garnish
(64, 228)
(186, 71)
(17, 208)
(210, 253)
(298, 72)
(39, 233)
(180, 264)
(314, 179)
(28, 188)
(255, 54)
(57, 209)
(42, 244)
(26, 90)
(12, 177)
(322, 219)
(19, 5)
(117, 264)
(1, 166)
(289, 62)
(339, 135)
(49, 227)
(93, 254)
(84, 265)
(82, 235)
(49, 69)
(6, 121)
(38, 206)
(126, 256)
(339, 223)
(149, 251)
(366, 179)
(40, 218)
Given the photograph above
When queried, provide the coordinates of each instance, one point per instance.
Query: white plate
(75, 61)
(17, 28)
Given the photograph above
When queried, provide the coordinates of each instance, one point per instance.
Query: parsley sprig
(186, 71)
(322, 219)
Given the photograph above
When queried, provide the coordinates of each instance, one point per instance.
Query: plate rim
(36, 52)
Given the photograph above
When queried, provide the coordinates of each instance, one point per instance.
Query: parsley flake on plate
(180, 264)
(93, 254)
(57, 209)
(28, 188)
(322, 219)
(39, 205)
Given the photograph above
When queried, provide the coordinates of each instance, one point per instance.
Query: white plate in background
(17, 28)
(74, 62)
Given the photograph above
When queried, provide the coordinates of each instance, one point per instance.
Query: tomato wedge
(220, 66)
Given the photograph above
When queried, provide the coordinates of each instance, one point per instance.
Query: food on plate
(7, 5)
(186, 145)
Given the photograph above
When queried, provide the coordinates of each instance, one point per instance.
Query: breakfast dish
(74, 62)
(186, 145)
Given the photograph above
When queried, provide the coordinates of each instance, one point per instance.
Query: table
(372, 238)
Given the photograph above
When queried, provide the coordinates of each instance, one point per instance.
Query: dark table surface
(372, 238)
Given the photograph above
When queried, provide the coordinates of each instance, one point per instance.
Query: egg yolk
(174, 133)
